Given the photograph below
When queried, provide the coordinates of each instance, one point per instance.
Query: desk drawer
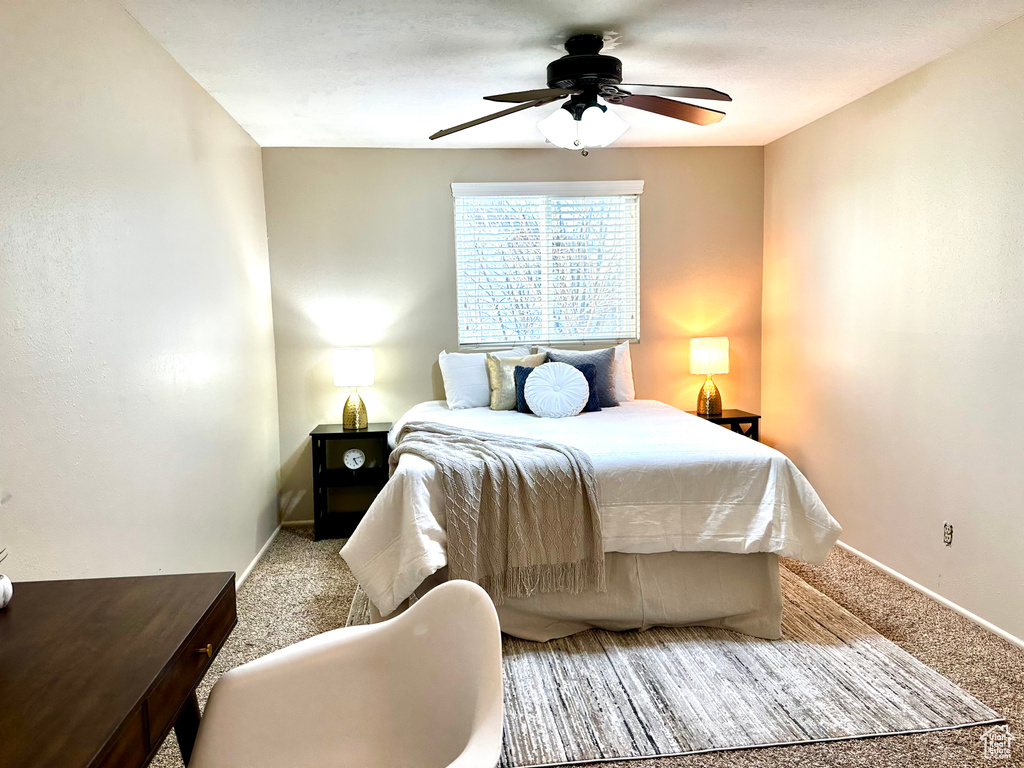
(189, 666)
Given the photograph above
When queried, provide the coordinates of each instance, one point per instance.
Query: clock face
(354, 458)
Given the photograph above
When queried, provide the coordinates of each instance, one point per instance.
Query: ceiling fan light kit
(598, 126)
(587, 77)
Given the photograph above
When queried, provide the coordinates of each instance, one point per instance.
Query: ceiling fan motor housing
(584, 70)
(584, 67)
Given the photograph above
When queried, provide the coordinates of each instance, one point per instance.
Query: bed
(694, 519)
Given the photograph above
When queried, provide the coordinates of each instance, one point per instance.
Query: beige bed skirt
(668, 589)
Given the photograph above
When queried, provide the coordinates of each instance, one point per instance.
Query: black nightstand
(736, 419)
(341, 495)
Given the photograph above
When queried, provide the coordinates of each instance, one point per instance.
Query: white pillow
(622, 375)
(465, 376)
(556, 390)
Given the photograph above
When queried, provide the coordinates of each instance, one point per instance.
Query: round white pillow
(6, 591)
(555, 390)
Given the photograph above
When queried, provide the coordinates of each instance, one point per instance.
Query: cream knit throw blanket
(522, 514)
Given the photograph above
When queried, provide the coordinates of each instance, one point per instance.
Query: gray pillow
(603, 361)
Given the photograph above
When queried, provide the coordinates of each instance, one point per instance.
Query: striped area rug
(600, 696)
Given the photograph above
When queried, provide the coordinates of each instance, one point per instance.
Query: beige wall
(362, 253)
(893, 370)
(138, 424)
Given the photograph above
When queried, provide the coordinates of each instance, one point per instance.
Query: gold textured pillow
(501, 377)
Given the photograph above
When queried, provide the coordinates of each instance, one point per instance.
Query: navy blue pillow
(602, 359)
(589, 372)
(520, 374)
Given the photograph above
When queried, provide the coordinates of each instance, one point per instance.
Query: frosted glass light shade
(353, 367)
(709, 355)
(597, 127)
(559, 128)
(600, 127)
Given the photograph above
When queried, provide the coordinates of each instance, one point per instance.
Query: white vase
(6, 591)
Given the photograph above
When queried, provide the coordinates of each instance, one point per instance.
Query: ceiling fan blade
(495, 116)
(680, 110)
(679, 91)
(540, 93)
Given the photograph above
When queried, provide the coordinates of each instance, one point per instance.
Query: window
(548, 262)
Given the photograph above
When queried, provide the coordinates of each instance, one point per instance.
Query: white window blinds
(548, 262)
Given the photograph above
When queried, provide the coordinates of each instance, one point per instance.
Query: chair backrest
(448, 645)
(422, 690)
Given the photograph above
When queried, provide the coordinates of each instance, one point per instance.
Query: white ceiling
(388, 73)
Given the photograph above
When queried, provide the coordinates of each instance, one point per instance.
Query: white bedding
(668, 482)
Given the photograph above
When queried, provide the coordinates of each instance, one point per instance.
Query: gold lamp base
(354, 416)
(709, 400)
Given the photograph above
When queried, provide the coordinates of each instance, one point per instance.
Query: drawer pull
(207, 649)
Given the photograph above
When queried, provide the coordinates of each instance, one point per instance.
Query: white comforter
(668, 482)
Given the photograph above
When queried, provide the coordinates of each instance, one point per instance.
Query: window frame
(567, 189)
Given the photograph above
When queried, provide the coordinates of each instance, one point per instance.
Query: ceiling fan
(586, 77)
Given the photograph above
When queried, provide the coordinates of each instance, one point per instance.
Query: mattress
(667, 481)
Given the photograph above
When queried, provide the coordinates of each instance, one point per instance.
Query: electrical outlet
(947, 534)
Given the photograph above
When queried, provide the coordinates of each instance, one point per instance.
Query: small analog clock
(354, 458)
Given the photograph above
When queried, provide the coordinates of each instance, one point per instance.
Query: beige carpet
(301, 588)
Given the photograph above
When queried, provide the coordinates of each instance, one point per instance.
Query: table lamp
(709, 356)
(353, 367)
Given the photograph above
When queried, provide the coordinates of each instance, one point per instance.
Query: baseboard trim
(295, 523)
(987, 625)
(240, 580)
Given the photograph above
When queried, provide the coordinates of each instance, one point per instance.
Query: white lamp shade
(709, 355)
(597, 127)
(353, 367)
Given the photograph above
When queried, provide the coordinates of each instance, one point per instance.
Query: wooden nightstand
(740, 422)
(341, 494)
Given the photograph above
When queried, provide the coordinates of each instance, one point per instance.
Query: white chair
(422, 690)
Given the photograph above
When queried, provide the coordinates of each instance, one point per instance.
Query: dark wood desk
(95, 672)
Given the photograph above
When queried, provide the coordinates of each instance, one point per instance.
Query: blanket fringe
(526, 581)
